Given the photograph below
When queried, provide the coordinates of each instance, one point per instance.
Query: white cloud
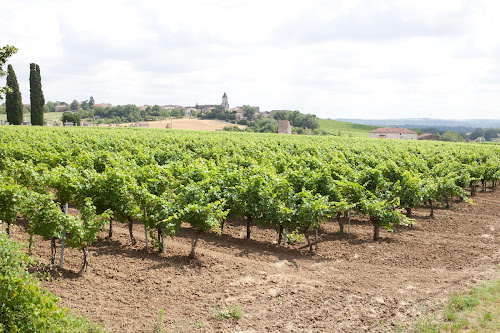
(337, 59)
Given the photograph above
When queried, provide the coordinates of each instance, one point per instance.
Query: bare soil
(350, 284)
(189, 124)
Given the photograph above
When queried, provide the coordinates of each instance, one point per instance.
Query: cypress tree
(13, 101)
(36, 95)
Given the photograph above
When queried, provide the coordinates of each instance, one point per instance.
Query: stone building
(225, 102)
(393, 133)
(428, 136)
(284, 127)
(208, 107)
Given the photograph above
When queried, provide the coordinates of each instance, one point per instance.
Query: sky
(361, 59)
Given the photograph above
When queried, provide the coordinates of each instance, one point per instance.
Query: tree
(36, 95)
(280, 115)
(451, 136)
(176, 113)
(72, 117)
(84, 105)
(248, 112)
(13, 101)
(194, 113)
(91, 102)
(216, 113)
(5, 53)
(75, 106)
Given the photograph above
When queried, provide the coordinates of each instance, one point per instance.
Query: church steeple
(225, 102)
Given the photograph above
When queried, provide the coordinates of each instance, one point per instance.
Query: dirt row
(349, 284)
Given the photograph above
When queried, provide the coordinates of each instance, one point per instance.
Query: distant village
(88, 113)
(206, 108)
(236, 115)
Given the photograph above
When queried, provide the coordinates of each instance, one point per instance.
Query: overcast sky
(335, 59)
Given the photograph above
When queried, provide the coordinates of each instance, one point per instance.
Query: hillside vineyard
(164, 178)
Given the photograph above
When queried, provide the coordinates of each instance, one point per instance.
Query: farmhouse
(393, 133)
(60, 108)
(103, 105)
(428, 136)
(284, 127)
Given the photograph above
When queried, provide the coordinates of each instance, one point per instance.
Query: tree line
(477, 134)
(301, 123)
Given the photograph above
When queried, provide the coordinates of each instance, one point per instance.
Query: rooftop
(393, 130)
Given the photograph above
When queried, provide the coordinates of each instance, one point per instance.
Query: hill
(448, 124)
(343, 128)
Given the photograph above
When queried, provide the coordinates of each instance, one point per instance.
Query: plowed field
(349, 284)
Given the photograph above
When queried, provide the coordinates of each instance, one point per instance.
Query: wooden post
(62, 239)
(349, 223)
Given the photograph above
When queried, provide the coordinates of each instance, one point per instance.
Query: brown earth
(188, 124)
(350, 284)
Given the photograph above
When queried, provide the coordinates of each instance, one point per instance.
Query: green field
(50, 116)
(341, 128)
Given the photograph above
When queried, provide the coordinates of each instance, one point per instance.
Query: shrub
(24, 305)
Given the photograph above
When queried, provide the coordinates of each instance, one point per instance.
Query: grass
(48, 116)
(235, 311)
(342, 128)
(158, 328)
(75, 324)
(476, 311)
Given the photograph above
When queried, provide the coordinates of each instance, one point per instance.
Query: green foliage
(120, 113)
(298, 119)
(233, 128)
(295, 237)
(72, 117)
(24, 305)
(487, 134)
(234, 311)
(306, 210)
(5, 53)
(11, 198)
(158, 328)
(344, 129)
(249, 112)
(263, 125)
(13, 100)
(74, 106)
(165, 179)
(45, 216)
(83, 231)
(176, 113)
(36, 96)
(84, 105)
(474, 311)
(451, 137)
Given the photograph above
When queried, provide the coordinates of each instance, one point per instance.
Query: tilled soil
(349, 284)
(189, 124)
